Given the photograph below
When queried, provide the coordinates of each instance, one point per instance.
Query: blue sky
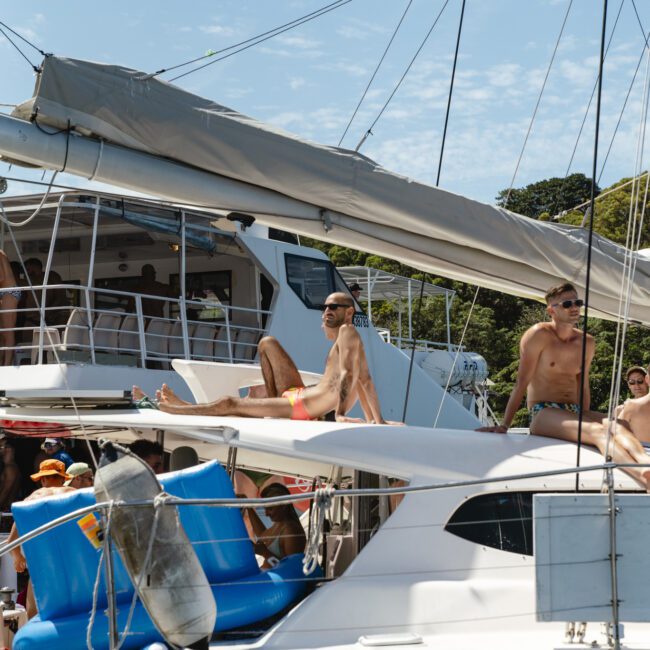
(309, 79)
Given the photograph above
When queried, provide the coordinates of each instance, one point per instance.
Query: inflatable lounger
(63, 567)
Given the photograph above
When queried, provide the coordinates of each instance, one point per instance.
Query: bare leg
(278, 369)
(8, 306)
(30, 602)
(274, 407)
(623, 448)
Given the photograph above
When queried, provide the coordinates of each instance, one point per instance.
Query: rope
(33, 67)
(22, 38)
(539, 99)
(374, 74)
(583, 362)
(458, 349)
(93, 611)
(322, 502)
(20, 224)
(593, 91)
(159, 501)
(399, 83)
(318, 14)
(248, 40)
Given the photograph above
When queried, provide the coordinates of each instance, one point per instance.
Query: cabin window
(206, 292)
(499, 520)
(312, 279)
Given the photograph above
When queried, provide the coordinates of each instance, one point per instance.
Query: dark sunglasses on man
(637, 382)
(567, 304)
(333, 306)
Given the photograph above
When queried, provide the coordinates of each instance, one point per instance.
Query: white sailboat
(452, 567)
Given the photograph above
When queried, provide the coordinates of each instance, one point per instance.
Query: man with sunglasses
(550, 376)
(346, 379)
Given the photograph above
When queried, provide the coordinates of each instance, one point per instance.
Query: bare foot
(168, 397)
(137, 393)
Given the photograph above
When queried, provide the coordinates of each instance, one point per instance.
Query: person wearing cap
(54, 448)
(355, 290)
(52, 477)
(81, 476)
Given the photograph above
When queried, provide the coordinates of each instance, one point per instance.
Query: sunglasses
(638, 382)
(567, 304)
(333, 306)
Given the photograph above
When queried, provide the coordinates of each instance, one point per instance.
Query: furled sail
(203, 153)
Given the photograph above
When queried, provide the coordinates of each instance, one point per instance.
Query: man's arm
(348, 342)
(529, 350)
(10, 476)
(20, 563)
(586, 389)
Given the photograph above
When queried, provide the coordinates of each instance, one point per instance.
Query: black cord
(583, 362)
(451, 89)
(22, 38)
(67, 147)
(399, 83)
(374, 74)
(35, 68)
(318, 14)
(248, 40)
(442, 148)
(584, 118)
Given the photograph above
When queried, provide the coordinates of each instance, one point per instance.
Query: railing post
(230, 351)
(111, 611)
(143, 341)
(91, 334)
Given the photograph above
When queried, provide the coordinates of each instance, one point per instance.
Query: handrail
(334, 493)
(90, 295)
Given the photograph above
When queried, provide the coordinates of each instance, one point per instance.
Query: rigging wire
(442, 148)
(399, 83)
(248, 40)
(22, 38)
(321, 12)
(374, 74)
(539, 99)
(583, 362)
(620, 117)
(34, 68)
(593, 92)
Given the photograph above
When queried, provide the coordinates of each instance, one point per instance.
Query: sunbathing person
(550, 375)
(635, 414)
(346, 379)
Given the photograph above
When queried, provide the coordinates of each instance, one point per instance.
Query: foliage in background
(499, 320)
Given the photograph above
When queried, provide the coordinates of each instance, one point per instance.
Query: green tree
(547, 198)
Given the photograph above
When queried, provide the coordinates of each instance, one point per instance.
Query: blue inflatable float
(63, 566)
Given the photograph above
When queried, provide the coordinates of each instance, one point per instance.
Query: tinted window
(312, 280)
(503, 521)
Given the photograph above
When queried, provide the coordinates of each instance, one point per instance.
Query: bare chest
(561, 357)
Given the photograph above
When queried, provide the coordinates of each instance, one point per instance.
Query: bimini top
(347, 198)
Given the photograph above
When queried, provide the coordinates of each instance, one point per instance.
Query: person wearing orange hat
(51, 475)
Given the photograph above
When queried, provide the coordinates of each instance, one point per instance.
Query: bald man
(346, 379)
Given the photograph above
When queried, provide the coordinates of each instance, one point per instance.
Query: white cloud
(505, 74)
(296, 82)
(217, 29)
(299, 42)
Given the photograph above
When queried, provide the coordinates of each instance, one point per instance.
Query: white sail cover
(362, 205)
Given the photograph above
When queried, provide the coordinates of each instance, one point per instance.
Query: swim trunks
(564, 406)
(16, 293)
(298, 410)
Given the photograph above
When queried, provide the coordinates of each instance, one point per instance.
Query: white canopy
(333, 194)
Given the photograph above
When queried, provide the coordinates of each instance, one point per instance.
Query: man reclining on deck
(550, 375)
(346, 379)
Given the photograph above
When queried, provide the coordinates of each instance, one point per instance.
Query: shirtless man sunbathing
(549, 374)
(346, 379)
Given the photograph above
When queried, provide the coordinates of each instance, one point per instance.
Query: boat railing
(112, 327)
(422, 345)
